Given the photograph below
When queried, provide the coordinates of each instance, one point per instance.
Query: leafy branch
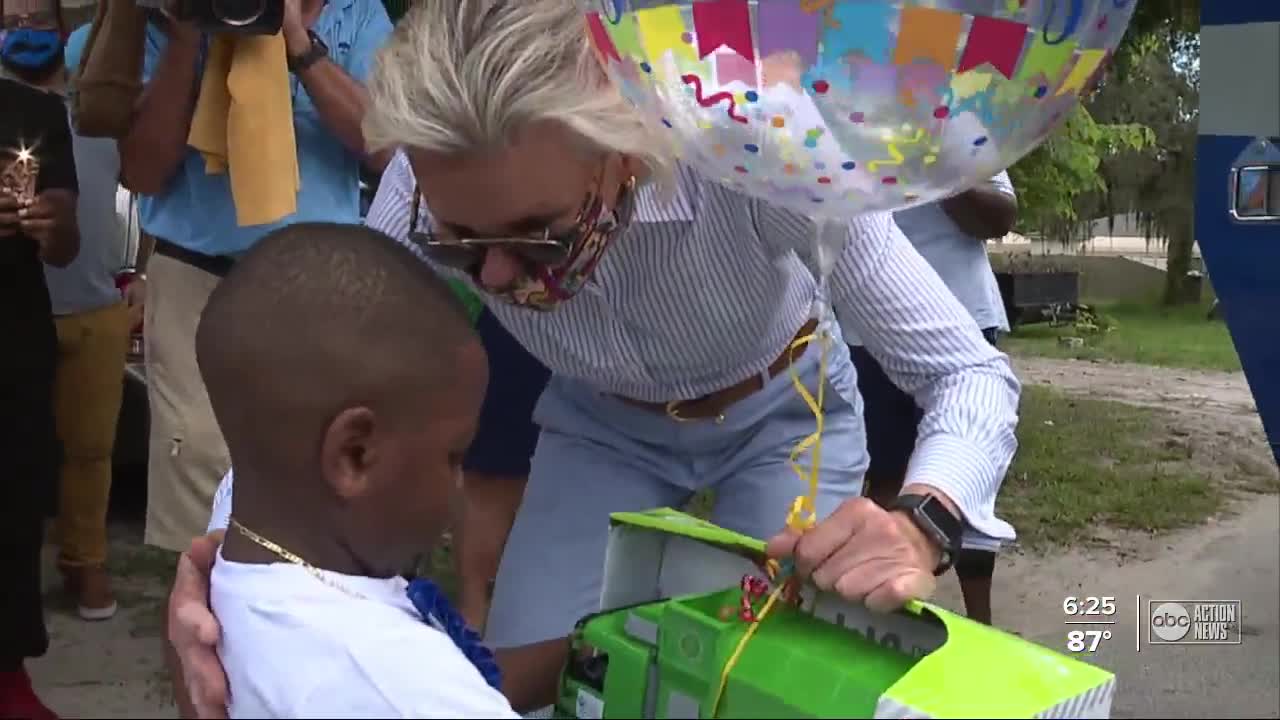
(1065, 167)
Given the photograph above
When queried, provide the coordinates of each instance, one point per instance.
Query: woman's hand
(194, 631)
(865, 554)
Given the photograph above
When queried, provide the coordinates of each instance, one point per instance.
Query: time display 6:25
(1104, 605)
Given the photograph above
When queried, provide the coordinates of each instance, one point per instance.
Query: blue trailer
(1238, 186)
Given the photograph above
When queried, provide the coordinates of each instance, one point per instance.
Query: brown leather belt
(714, 405)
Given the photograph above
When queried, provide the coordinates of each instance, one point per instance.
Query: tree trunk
(1179, 287)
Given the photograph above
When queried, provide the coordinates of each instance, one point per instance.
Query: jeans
(598, 454)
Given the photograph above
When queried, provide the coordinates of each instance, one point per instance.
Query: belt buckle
(672, 409)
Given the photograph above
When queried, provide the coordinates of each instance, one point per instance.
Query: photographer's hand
(156, 144)
(339, 98)
(184, 34)
(296, 39)
(180, 31)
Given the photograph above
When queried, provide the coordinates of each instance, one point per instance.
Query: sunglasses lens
(542, 254)
(465, 255)
(458, 257)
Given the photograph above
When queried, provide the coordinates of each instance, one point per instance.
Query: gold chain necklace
(291, 557)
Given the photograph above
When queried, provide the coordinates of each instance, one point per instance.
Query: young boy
(347, 381)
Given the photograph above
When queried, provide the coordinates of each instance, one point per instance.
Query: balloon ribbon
(804, 513)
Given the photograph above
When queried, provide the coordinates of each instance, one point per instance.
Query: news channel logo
(1193, 622)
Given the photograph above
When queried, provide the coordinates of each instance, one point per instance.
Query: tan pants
(87, 393)
(188, 456)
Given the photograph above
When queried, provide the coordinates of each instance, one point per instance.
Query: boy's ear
(348, 452)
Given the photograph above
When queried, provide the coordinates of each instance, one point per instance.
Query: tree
(1156, 81)
(1161, 91)
(1159, 18)
(1053, 178)
(1130, 146)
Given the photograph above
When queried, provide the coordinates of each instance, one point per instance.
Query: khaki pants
(188, 456)
(88, 389)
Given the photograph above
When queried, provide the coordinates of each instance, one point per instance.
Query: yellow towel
(243, 124)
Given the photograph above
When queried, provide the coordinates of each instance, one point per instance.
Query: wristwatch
(936, 522)
(317, 51)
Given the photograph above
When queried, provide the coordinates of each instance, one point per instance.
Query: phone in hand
(9, 205)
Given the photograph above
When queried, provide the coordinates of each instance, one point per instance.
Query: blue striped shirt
(709, 286)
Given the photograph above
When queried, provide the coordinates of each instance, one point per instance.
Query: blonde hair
(462, 75)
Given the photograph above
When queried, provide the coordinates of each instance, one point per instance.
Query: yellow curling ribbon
(742, 645)
(896, 157)
(804, 510)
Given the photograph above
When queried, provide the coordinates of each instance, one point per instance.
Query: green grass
(1084, 463)
(142, 563)
(142, 576)
(1140, 333)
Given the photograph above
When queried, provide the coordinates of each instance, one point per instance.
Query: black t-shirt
(35, 120)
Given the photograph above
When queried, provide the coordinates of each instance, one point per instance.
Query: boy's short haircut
(317, 318)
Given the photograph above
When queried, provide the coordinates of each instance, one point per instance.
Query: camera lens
(238, 12)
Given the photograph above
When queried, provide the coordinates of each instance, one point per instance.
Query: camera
(245, 17)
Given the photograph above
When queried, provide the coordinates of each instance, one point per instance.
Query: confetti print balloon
(838, 107)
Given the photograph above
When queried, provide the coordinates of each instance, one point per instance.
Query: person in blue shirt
(192, 218)
(951, 236)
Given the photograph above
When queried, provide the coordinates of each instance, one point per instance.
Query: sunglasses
(546, 249)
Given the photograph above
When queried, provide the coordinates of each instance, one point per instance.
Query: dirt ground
(1212, 412)
(1221, 400)
(113, 669)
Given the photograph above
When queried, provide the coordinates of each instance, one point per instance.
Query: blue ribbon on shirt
(439, 613)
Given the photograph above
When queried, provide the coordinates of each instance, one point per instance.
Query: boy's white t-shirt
(296, 647)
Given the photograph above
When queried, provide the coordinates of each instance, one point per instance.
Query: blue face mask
(28, 50)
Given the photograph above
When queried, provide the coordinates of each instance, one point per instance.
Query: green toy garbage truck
(820, 657)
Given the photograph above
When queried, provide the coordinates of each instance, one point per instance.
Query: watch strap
(317, 51)
(936, 522)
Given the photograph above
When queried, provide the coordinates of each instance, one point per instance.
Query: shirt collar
(342, 6)
(675, 203)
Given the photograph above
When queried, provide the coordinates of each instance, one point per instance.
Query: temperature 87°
(1086, 641)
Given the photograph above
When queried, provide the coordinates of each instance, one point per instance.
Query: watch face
(933, 517)
(937, 522)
